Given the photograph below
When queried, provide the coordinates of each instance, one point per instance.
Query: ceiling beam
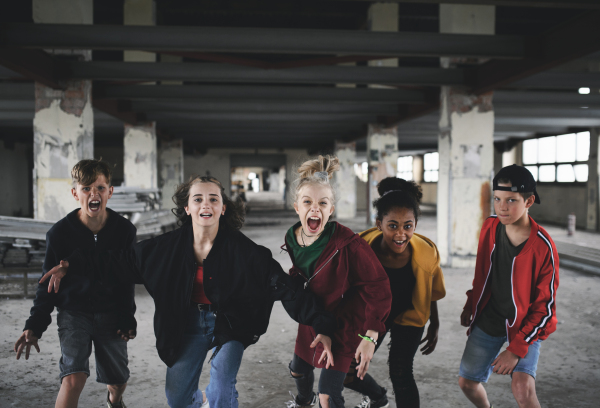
(208, 72)
(262, 107)
(574, 39)
(576, 4)
(259, 40)
(35, 65)
(257, 93)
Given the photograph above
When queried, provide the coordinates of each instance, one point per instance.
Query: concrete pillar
(383, 17)
(512, 156)
(593, 184)
(140, 155)
(418, 169)
(345, 179)
(466, 148)
(382, 156)
(498, 159)
(139, 12)
(63, 125)
(171, 170)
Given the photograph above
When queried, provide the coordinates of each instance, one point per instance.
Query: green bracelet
(367, 338)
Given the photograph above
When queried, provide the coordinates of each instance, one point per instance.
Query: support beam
(575, 4)
(36, 65)
(207, 72)
(382, 156)
(140, 156)
(574, 39)
(259, 40)
(593, 183)
(257, 93)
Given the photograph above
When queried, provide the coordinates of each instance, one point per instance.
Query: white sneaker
(294, 404)
(205, 403)
(365, 403)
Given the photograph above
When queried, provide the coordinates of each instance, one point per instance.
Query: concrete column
(466, 148)
(139, 12)
(171, 170)
(498, 159)
(513, 156)
(140, 154)
(345, 207)
(593, 184)
(382, 156)
(63, 125)
(383, 17)
(418, 169)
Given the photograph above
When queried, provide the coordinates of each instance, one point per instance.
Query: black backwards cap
(521, 179)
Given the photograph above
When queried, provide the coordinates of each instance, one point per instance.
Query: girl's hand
(431, 338)
(55, 274)
(327, 355)
(364, 354)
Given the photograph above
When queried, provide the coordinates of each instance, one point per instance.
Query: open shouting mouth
(94, 205)
(205, 215)
(313, 224)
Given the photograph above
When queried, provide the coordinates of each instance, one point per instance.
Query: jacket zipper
(321, 268)
(483, 290)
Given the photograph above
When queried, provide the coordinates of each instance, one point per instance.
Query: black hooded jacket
(240, 277)
(79, 291)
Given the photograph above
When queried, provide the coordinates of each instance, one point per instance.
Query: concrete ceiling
(268, 74)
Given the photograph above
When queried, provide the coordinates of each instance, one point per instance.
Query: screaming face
(314, 206)
(93, 198)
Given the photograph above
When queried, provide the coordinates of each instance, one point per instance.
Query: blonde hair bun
(317, 171)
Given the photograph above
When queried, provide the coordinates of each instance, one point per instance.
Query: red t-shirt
(198, 295)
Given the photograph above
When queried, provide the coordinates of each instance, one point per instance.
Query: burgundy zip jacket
(353, 285)
(534, 278)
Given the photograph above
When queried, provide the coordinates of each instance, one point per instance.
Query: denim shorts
(481, 351)
(77, 331)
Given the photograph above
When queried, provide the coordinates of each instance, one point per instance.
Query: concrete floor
(568, 371)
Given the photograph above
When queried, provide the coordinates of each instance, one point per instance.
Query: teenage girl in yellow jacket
(412, 263)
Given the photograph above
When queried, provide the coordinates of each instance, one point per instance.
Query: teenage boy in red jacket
(514, 293)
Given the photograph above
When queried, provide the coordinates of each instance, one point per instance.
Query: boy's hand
(26, 340)
(465, 318)
(505, 363)
(327, 355)
(431, 338)
(55, 274)
(127, 335)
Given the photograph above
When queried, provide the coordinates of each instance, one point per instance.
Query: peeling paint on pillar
(466, 164)
(345, 207)
(171, 170)
(140, 156)
(63, 129)
(382, 156)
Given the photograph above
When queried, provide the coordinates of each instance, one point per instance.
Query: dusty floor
(568, 372)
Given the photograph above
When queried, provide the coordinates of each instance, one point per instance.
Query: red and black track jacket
(534, 279)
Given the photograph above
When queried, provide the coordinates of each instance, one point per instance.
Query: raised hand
(26, 340)
(326, 355)
(56, 274)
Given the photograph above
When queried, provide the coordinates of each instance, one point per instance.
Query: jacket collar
(532, 235)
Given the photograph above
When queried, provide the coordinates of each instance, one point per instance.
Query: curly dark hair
(395, 192)
(234, 213)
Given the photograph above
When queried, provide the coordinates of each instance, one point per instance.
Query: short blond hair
(317, 171)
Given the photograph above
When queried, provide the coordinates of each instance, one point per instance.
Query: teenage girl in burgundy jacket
(342, 270)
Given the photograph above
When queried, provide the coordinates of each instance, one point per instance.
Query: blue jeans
(481, 351)
(181, 386)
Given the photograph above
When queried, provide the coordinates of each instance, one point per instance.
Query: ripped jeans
(403, 347)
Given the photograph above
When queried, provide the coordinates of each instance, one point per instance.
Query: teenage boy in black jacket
(89, 310)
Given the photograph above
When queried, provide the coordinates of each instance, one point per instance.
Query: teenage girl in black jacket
(212, 287)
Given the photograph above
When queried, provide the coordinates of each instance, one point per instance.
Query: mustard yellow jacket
(429, 284)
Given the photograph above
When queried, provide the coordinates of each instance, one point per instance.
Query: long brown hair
(234, 213)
